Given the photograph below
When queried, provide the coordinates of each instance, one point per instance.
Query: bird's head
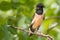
(39, 6)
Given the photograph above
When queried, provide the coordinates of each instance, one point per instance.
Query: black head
(40, 6)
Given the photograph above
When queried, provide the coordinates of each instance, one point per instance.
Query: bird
(37, 19)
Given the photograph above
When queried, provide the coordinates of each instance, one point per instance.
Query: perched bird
(37, 18)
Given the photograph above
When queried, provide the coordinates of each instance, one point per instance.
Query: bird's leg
(31, 31)
(38, 27)
(37, 30)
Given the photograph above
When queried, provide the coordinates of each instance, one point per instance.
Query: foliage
(19, 13)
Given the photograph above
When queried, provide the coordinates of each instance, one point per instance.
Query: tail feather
(31, 29)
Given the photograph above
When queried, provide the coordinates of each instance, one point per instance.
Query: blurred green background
(19, 13)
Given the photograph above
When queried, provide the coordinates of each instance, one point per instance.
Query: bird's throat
(39, 12)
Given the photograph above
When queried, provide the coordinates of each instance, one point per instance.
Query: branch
(52, 17)
(37, 33)
(53, 25)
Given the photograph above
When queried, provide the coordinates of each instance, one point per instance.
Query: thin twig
(37, 33)
(52, 17)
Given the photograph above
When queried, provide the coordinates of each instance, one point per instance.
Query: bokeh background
(19, 13)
